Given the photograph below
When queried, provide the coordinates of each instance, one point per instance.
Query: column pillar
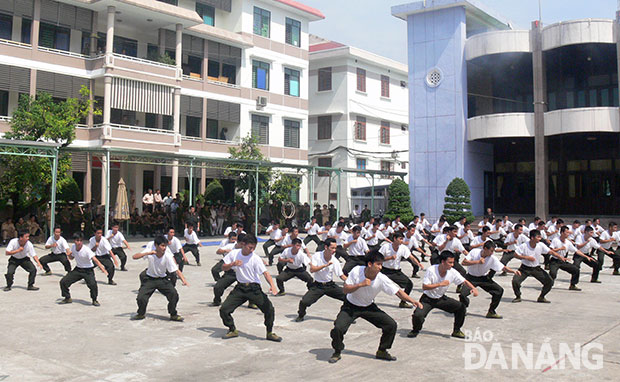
(88, 179)
(107, 99)
(177, 90)
(93, 34)
(109, 42)
(175, 177)
(104, 178)
(203, 180)
(541, 178)
(157, 178)
(179, 47)
(36, 20)
(161, 42)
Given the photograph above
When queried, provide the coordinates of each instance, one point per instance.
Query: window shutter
(7, 5)
(77, 84)
(63, 86)
(212, 109)
(5, 77)
(289, 33)
(287, 135)
(83, 19)
(24, 8)
(185, 100)
(49, 11)
(287, 83)
(45, 81)
(66, 15)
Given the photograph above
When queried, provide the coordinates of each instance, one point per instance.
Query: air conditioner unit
(261, 101)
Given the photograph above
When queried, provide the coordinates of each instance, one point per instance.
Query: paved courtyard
(44, 341)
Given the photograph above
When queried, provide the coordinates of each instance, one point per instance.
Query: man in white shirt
(484, 223)
(534, 224)
(386, 228)
(479, 240)
(480, 262)
(176, 248)
(526, 230)
(465, 235)
(192, 242)
(84, 270)
(148, 200)
(439, 226)
(357, 248)
(586, 244)
(563, 247)
(530, 253)
(60, 251)
(226, 246)
(287, 242)
(374, 237)
(437, 279)
(397, 225)
(160, 263)
(508, 225)
(460, 223)
(337, 233)
(103, 250)
(296, 260)
(323, 232)
(449, 242)
(412, 240)
(512, 241)
(323, 267)
(229, 277)
(393, 253)
(279, 237)
(21, 251)
(117, 239)
(248, 268)
(361, 287)
(606, 239)
(312, 230)
(272, 231)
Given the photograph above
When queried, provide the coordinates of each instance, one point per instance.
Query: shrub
(457, 201)
(214, 192)
(399, 202)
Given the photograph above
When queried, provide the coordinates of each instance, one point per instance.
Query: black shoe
(574, 287)
(112, 282)
(384, 355)
(271, 336)
(595, 281)
(7, 288)
(412, 334)
(137, 317)
(415, 276)
(516, 299)
(198, 264)
(281, 293)
(66, 300)
(215, 303)
(123, 269)
(458, 334)
(543, 300)
(334, 358)
(176, 318)
(32, 287)
(96, 303)
(299, 319)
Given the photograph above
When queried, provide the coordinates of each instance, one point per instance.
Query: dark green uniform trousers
(162, 284)
(224, 282)
(54, 257)
(77, 274)
(247, 292)
(318, 290)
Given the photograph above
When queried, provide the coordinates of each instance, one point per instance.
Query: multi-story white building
(358, 119)
(234, 67)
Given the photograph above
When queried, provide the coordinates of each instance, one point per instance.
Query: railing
(191, 138)
(144, 61)
(15, 43)
(186, 77)
(64, 53)
(137, 128)
(225, 84)
(210, 140)
(5, 118)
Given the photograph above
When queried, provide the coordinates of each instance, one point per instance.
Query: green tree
(68, 190)
(214, 192)
(27, 180)
(399, 202)
(246, 174)
(457, 201)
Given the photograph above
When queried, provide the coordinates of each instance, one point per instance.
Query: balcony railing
(220, 83)
(136, 128)
(64, 53)
(15, 43)
(144, 61)
(192, 78)
(210, 140)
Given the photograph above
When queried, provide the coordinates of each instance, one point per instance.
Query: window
(361, 80)
(207, 13)
(222, 72)
(192, 126)
(193, 67)
(262, 18)
(26, 31)
(291, 82)
(4, 102)
(360, 129)
(212, 128)
(260, 128)
(403, 165)
(361, 165)
(291, 133)
(260, 75)
(325, 79)
(385, 86)
(55, 37)
(384, 133)
(6, 26)
(325, 127)
(387, 167)
(152, 52)
(324, 162)
(125, 46)
(293, 32)
(229, 73)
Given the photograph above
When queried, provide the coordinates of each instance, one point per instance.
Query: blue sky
(368, 24)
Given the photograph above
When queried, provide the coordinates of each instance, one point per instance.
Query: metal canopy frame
(36, 149)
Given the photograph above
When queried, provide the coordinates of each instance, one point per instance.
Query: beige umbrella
(121, 209)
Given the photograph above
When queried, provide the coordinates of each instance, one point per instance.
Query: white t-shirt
(288, 241)
(277, 234)
(437, 229)
(453, 245)
(588, 247)
(365, 296)
(323, 236)
(326, 274)
(479, 270)
(500, 232)
(312, 229)
(558, 243)
(174, 244)
(402, 252)
(375, 240)
(83, 257)
(532, 226)
(227, 230)
(158, 266)
(526, 250)
(552, 232)
(467, 238)
(103, 248)
(520, 240)
(299, 259)
(359, 248)
(616, 237)
(191, 238)
(61, 245)
(605, 236)
(116, 240)
(386, 230)
(250, 270)
(478, 240)
(411, 242)
(432, 276)
(340, 237)
(508, 225)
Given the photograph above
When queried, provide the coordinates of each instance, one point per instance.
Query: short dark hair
(240, 237)
(249, 239)
(356, 229)
(445, 255)
(232, 234)
(340, 224)
(559, 221)
(373, 256)
(517, 226)
(296, 241)
(170, 228)
(534, 233)
(57, 227)
(588, 229)
(115, 223)
(329, 241)
(485, 229)
(564, 228)
(78, 236)
(396, 235)
(611, 224)
(489, 244)
(159, 240)
(190, 225)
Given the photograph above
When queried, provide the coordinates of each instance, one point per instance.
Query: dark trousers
(149, 285)
(342, 253)
(247, 292)
(318, 290)
(444, 303)
(26, 264)
(275, 251)
(457, 264)
(193, 248)
(371, 313)
(399, 278)
(77, 274)
(415, 266)
(320, 247)
(54, 257)
(487, 284)
(120, 252)
(507, 256)
(178, 257)
(577, 260)
(288, 273)
(216, 270)
(267, 245)
(554, 265)
(601, 259)
(351, 263)
(538, 273)
(108, 264)
(224, 282)
(434, 256)
(314, 238)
